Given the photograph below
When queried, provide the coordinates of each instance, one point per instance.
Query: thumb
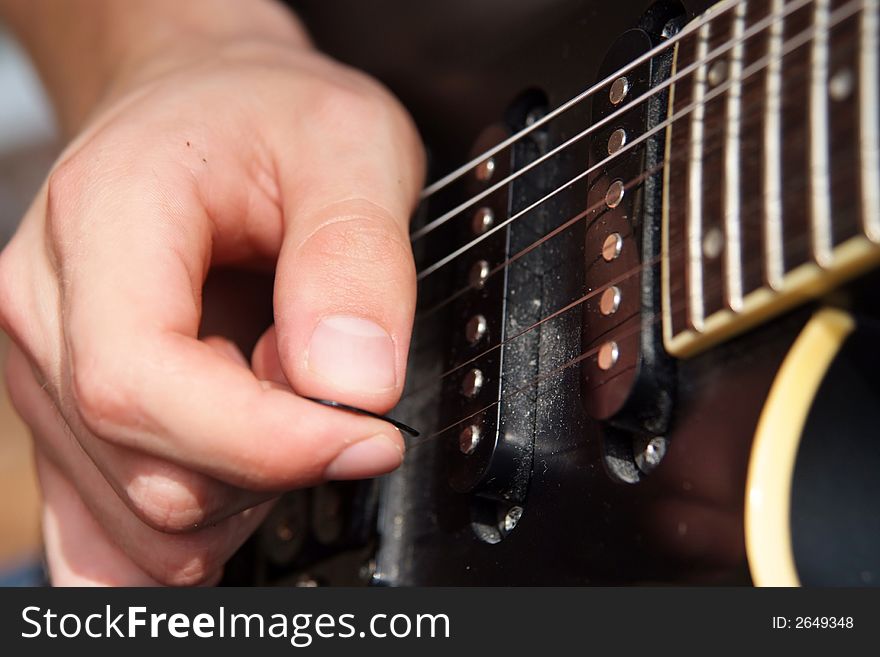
(344, 303)
(345, 287)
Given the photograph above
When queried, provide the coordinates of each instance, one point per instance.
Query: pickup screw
(612, 246)
(468, 439)
(511, 519)
(649, 452)
(534, 115)
(619, 90)
(367, 570)
(475, 329)
(608, 355)
(479, 273)
(485, 169)
(615, 193)
(472, 383)
(482, 221)
(284, 532)
(609, 302)
(616, 141)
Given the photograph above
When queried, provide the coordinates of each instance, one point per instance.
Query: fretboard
(773, 163)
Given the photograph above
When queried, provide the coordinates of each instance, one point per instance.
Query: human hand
(158, 450)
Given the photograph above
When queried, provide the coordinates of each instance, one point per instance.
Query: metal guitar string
(757, 66)
(427, 312)
(790, 45)
(795, 42)
(838, 17)
(804, 37)
(637, 269)
(752, 31)
(577, 302)
(589, 353)
(436, 186)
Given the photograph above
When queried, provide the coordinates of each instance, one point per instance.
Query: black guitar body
(559, 497)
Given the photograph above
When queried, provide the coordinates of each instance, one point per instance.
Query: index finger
(142, 379)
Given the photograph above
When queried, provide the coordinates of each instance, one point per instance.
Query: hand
(158, 450)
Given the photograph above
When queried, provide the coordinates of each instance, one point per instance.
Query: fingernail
(353, 354)
(367, 458)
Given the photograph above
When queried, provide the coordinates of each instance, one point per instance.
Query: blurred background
(28, 145)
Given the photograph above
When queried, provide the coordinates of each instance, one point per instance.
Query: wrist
(93, 50)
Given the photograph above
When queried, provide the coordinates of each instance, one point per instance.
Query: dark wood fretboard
(773, 163)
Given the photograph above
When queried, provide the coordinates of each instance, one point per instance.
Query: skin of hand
(158, 449)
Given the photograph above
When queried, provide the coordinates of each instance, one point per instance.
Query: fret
(869, 112)
(696, 311)
(819, 184)
(753, 204)
(732, 165)
(842, 91)
(785, 160)
(773, 256)
(677, 192)
(796, 245)
(714, 243)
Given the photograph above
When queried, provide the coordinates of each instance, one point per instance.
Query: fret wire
(870, 117)
(423, 314)
(820, 185)
(752, 205)
(773, 151)
(696, 310)
(751, 32)
(720, 8)
(732, 188)
(593, 351)
(763, 63)
(790, 45)
(681, 303)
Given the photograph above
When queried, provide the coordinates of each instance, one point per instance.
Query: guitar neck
(773, 163)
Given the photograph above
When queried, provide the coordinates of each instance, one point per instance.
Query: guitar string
(427, 312)
(801, 240)
(620, 278)
(651, 93)
(755, 68)
(753, 204)
(659, 49)
(541, 378)
(846, 11)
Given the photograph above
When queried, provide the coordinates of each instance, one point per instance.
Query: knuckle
(71, 184)
(348, 105)
(360, 244)
(12, 313)
(104, 400)
(264, 474)
(65, 181)
(362, 257)
(7, 284)
(185, 566)
(170, 503)
(13, 377)
(269, 472)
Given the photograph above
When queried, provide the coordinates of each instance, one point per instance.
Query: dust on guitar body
(492, 365)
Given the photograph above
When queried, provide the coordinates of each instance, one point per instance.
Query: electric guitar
(646, 345)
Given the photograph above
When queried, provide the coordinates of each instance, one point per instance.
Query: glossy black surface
(459, 65)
